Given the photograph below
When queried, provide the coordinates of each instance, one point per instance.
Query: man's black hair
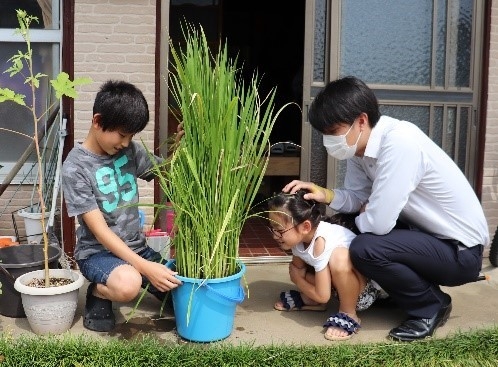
(342, 101)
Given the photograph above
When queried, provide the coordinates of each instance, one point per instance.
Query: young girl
(320, 264)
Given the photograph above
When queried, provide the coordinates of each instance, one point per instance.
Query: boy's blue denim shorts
(98, 267)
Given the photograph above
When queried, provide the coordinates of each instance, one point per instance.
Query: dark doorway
(272, 43)
(267, 37)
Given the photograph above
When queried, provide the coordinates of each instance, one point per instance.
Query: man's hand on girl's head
(317, 193)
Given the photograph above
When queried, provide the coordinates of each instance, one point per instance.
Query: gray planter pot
(14, 262)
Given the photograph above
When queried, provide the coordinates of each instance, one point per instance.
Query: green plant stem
(214, 174)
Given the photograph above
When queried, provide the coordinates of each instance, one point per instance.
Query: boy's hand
(317, 193)
(179, 133)
(161, 276)
(173, 145)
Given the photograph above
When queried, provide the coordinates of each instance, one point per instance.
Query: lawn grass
(478, 348)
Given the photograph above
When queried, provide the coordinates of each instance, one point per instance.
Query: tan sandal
(292, 301)
(342, 321)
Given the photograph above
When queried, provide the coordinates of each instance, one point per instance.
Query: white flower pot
(50, 310)
(16, 261)
(33, 225)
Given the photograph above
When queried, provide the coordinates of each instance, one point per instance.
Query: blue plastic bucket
(205, 309)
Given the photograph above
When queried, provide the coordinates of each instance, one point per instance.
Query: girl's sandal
(344, 322)
(292, 301)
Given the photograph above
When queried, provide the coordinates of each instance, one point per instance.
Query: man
(396, 174)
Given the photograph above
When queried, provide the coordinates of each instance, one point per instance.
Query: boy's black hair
(122, 107)
(342, 101)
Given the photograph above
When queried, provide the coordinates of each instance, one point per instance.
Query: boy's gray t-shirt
(107, 183)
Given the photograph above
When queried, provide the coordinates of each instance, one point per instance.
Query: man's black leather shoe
(416, 329)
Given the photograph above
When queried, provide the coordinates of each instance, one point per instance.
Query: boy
(99, 179)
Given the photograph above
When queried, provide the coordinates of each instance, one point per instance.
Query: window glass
(437, 133)
(387, 42)
(383, 45)
(449, 126)
(45, 43)
(18, 118)
(463, 136)
(460, 42)
(42, 9)
(440, 48)
(419, 115)
(319, 41)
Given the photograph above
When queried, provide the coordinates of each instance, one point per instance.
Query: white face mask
(338, 147)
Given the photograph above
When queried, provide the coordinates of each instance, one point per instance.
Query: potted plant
(51, 146)
(46, 313)
(211, 180)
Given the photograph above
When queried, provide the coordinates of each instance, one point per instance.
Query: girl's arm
(316, 286)
(298, 262)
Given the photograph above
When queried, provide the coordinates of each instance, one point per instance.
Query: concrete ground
(257, 323)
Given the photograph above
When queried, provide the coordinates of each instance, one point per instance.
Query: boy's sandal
(344, 322)
(292, 301)
(98, 312)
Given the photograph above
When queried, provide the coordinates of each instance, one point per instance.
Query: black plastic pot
(14, 262)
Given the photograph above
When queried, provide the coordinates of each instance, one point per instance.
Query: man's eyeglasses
(280, 232)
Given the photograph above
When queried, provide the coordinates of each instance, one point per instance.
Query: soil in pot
(53, 282)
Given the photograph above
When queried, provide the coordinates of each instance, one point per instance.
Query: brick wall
(115, 39)
(14, 198)
(490, 175)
